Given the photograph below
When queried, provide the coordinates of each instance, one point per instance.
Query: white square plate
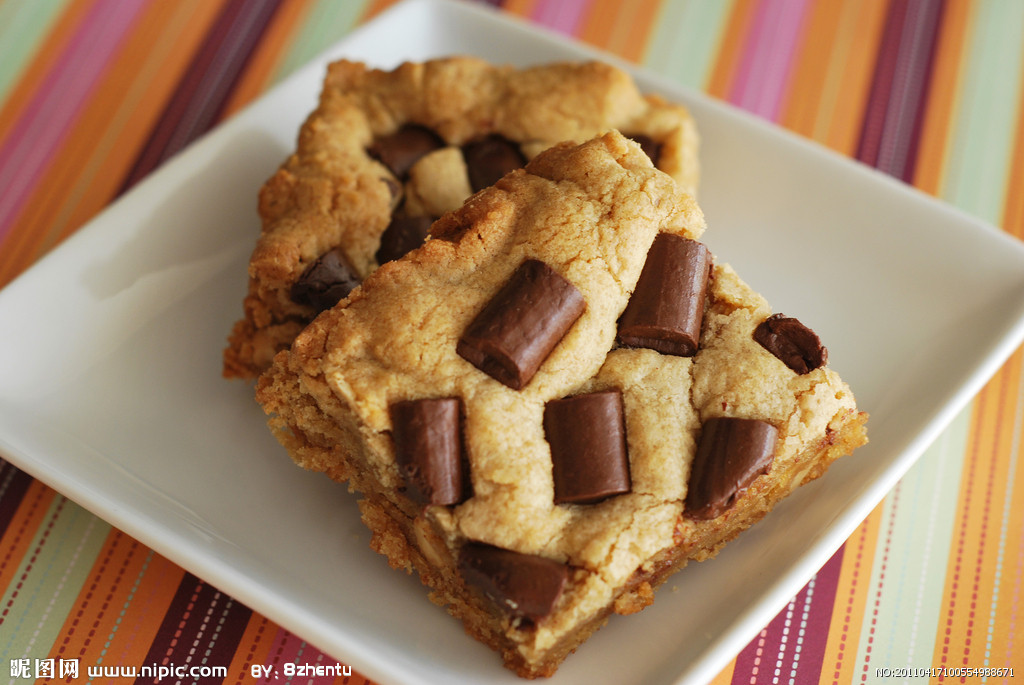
(110, 387)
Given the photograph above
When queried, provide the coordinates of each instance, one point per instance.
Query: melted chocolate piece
(516, 331)
(731, 453)
(525, 585)
(490, 158)
(651, 147)
(403, 148)
(587, 434)
(428, 448)
(326, 282)
(795, 344)
(404, 234)
(667, 307)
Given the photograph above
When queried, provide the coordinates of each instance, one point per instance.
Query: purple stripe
(201, 626)
(561, 15)
(792, 647)
(14, 484)
(891, 129)
(881, 84)
(905, 118)
(206, 87)
(33, 141)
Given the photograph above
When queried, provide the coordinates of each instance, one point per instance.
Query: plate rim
(237, 583)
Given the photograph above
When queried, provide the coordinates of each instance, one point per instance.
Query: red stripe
(202, 626)
(881, 84)
(13, 485)
(892, 124)
(927, 71)
(205, 88)
(792, 647)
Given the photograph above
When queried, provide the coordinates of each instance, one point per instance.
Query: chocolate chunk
(326, 282)
(490, 158)
(651, 147)
(516, 331)
(795, 344)
(403, 234)
(587, 434)
(667, 307)
(403, 148)
(732, 452)
(428, 448)
(525, 585)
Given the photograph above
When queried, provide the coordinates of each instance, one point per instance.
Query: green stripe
(685, 37)
(326, 24)
(914, 542)
(23, 25)
(983, 135)
(49, 579)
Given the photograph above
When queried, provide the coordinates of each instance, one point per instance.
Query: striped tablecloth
(95, 94)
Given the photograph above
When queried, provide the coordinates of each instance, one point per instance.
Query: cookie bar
(387, 152)
(539, 426)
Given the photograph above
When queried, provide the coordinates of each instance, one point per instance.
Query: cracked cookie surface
(591, 213)
(387, 152)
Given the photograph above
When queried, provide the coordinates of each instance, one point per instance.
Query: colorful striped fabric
(95, 94)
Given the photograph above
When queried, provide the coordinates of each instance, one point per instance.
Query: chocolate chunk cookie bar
(558, 400)
(387, 152)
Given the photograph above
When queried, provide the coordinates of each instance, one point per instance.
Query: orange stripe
(522, 8)
(253, 648)
(634, 31)
(724, 676)
(22, 529)
(840, 660)
(120, 607)
(812, 63)
(619, 28)
(845, 97)
(947, 77)
(833, 72)
(1013, 213)
(261, 68)
(114, 125)
(734, 39)
(37, 71)
(974, 550)
(1007, 636)
(375, 7)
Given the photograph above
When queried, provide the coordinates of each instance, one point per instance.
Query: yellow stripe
(1007, 638)
(724, 677)
(22, 530)
(522, 8)
(812, 64)
(946, 82)
(120, 607)
(734, 39)
(1013, 213)
(622, 29)
(834, 72)
(848, 610)
(974, 551)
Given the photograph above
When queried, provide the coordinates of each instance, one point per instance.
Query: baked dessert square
(558, 400)
(385, 153)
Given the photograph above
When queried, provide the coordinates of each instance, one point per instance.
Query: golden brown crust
(331, 192)
(590, 212)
